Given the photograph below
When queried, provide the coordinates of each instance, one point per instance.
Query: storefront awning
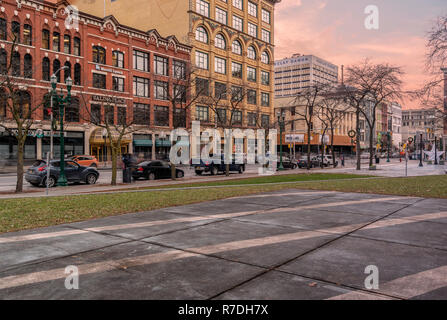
(162, 143)
(142, 143)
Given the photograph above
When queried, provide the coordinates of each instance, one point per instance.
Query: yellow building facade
(232, 41)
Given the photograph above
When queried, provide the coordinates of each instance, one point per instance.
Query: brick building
(117, 71)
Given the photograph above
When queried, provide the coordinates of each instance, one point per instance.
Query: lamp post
(388, 146)
(436, 151)
(61, 102)
(281, 122)
(422, 147)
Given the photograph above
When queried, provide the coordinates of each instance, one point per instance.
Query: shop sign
(100, 68)
(108, 99)
(295, 138)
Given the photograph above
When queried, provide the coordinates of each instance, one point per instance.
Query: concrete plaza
(283, 245)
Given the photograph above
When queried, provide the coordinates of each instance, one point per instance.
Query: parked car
(86, 161)
(328, 161)
(156, 169)
(314, 162)
(287, 162)
(75, 173)
(213, 167)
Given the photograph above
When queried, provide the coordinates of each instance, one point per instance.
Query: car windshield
(38, 163)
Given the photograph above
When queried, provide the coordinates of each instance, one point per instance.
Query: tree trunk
(114, 165)
(173, 172)
(371, 142)
(20, 147)
(332, 147)
(227, 169)
(358, 147)
(308, 147)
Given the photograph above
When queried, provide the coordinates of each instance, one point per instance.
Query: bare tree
(437, 45)
(369, 86)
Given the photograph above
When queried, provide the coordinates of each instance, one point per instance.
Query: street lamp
(281, 122)
(422, 147)
(389, 142)
(61, 102)
(436, 151)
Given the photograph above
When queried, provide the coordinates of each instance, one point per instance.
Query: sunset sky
(334, 30)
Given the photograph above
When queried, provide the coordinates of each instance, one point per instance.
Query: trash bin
(377, 160)
(127, 175)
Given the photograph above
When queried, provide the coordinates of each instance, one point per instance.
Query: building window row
(222, 116)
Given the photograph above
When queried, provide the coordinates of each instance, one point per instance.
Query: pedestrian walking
(342, 160)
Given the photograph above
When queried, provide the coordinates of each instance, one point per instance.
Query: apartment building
(232, 47)
(302, 71)
(428, 122)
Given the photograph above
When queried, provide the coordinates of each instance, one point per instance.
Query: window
(265, 57)
(238, 4)
(237, 117)
(179, 69)
(265, 36)
(201, 35)
(67, 71)
(161, 90)
(251, 119)
(251, 74)
(46, 69)
(236, 94)
(201, 60)
(266, 16)
(252, 29)
(141, 87)
(221, 16)
(251, 96)
(2, 103)
(56, 41)
(141, 61)
(77, 74)
(118, 59)
(161, 65)
(236, 70)
(72, 110)
(56, 66)
(219, 41)
(28, 66)
(221, 116)
(23, 99)
(265, 121)
(118, 84)
(141, 114)
(15, 64)
(252, 9)
(202, 87)
(99, 55)
(15, 29)
(265, 78)
(265, 99)
(251, 53)
(46, 39)
(3, 29)
(238, 23)
(202, 113)
(99, 81)
(27, 35)
(161, 116)
(236, 47)
(77, 46)
(109, 114)
(122, 116)
(179, 118)
(179, 93)
(67, 44)
(220, 65)
(95, 111)
(220, 90)
(203, 7)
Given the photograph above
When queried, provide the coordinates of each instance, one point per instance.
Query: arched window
(220, 42)
(3, 29)
(251, 53)
(28, 66)
(3, 61)
(15, 64)
(67, 71)
(57, 66)
(56, 41)
(46, 39)
(236, 47)
(23, 100)
(265, 58)
(27, 35)
(77, 46)
(77, 74)
(99, 55)
(67, 44)
(46, 69)
(15, 29)
(72, 110)
(201, 35)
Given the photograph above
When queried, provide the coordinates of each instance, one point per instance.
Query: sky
(335, 31)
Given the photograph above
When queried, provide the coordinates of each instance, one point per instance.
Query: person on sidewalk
(342, 158)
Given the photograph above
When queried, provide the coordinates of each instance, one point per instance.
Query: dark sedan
(314, 163)
(38, 173)
(152, 170)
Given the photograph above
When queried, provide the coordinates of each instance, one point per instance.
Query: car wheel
(199, 173)
(51, 182)
(151, 176)
(214, 171)
(91, 178)
(179, 174)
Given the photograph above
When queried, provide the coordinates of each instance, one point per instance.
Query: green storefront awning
(142, 143)
(162, 143)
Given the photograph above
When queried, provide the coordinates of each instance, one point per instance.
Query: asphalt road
(282, 245)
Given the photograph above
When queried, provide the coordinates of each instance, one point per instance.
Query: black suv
(214, 167)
